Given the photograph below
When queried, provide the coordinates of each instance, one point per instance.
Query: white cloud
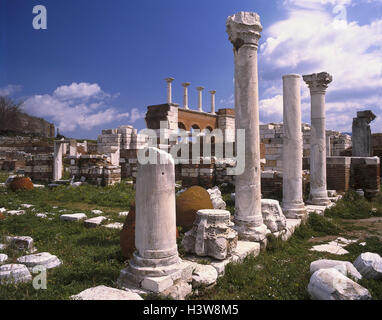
(272, 109)
(313, 39)
(136, 115)
(9, 90)
(79, 105)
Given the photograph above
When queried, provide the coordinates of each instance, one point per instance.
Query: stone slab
(106, 293)
(45, 259)
(16, 212)
(3, 258)
(14, 273)
(73, 217)
(94, 222)
(157, 284)
(115, 225)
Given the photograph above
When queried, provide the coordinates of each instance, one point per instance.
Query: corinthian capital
(244, 28)
(318, 82)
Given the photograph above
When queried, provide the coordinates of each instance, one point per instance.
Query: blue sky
(100, 63)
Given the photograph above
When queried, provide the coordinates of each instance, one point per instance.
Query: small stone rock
(204, 276)
(94, 222)
(27, 206)
(369, 265)
(330, 284)
(123, 214)
(21, 243)
(41, 215)
(73, 217)
(216, 198)
(3, 210)
(115, 225)
(106, 293)
(178, 291)
(16, 212)
(3, 246)
(97, 212)
(3, 258)
(350, 270)
(14, 273)
(45, 259)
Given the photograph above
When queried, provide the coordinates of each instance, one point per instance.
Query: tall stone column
(244, 30)
(213, 92)
(185, 94)
(57, 160)
(318, 83)
(169, 89)
(362, 145)
(200, 101)
(155, 222)
(292, 204)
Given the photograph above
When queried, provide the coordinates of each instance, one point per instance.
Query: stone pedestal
(244, 30)
(155, 226)
(318, 84)
(57, 160)
(211, 235)
(292, 204)
(362, 145)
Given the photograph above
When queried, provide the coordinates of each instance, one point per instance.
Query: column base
(318, 200)
(294, 211)
(248, 231)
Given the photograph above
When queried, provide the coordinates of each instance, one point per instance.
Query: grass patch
(353, 206)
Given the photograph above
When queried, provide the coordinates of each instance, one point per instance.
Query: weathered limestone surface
(331, 284)
(362, 145)
(21, 243)
(45, 259)
(369, 265)
(106, 293)
(155, 227)
(273, 216)
(14, 273)
(211, 235)
(3, 258)
(244, 30)
(318, 83)
(204, 276)
(216, 198)
(350, 270)
(292, 204)
(73, 217)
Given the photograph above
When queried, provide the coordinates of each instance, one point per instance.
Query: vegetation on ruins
(21, 183)
(93, 256)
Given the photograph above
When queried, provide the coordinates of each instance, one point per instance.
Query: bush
(21, 183)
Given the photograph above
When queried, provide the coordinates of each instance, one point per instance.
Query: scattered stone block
(331, 284)
(216, 198)
(14, 273)
(178, 291)
(41, 215)
(73, 217)
(97, 212)
(3, 258)
(115, 225)
(211, 235)
(21, 243)
(3, 246)
(45, 259)
(3, 210)
(16, 212)
(123, 214)
(369, 265)
(106, 293)
(157, 284)
(94, 222)
(273, 216)
(330, 248)
(350, 270)
(245, 249)
(204, 276)
(27, 206)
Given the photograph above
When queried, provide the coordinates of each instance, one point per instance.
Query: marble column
(57, 160)
(244, 30)
(292, 204)
(362, 142)
(213, 92)
(169, 89)
(200, 101)
(318, 83)
(155, 221)
(185, 94)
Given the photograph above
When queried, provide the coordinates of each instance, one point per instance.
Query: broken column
(185, 94)
(244, 30)
(73, 148)
(318, 83)
(362, 145)
(292, 204)
(155, 225)
(213, 92)
(169, 89)
(57, 160)
(200, 103)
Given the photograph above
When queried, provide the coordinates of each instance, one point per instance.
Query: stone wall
(365, 175)
(39, 167)
(338, 173)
